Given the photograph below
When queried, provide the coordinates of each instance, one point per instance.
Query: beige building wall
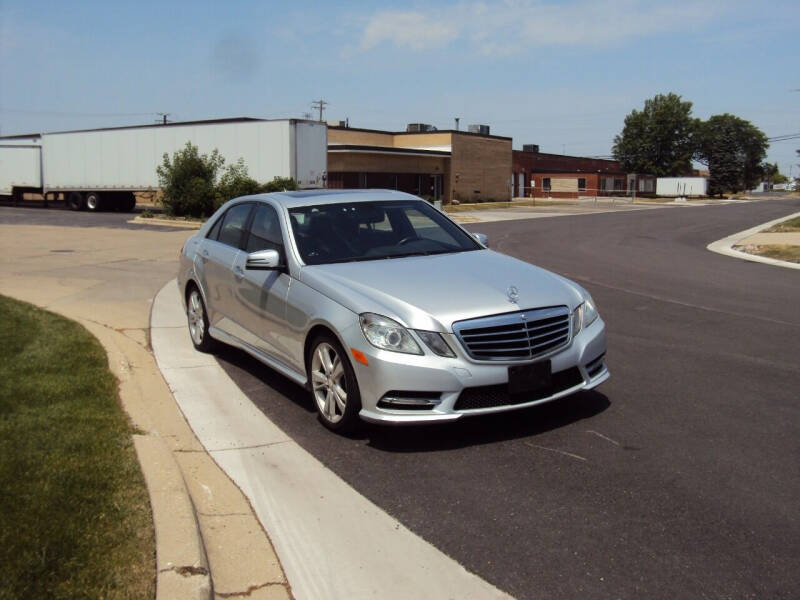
(359, 138)
(480, 168)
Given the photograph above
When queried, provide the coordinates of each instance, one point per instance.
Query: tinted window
(374, 230)
(214, 231)
(265, 230)
(233, 225)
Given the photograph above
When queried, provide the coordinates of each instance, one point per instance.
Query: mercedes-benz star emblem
(513, 294)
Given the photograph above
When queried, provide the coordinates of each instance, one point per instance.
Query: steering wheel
(407, 239)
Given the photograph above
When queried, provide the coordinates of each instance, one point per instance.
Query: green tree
(188, 181)
(234, 182)
(659, 139)
(279, 184)
(733, 149)
(772, 174)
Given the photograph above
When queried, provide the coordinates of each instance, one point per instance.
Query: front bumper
(408, 389)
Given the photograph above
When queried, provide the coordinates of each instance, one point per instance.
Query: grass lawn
(788, 226)
(778, 251)
(75, 516)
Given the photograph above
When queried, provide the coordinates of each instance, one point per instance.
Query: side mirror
(482, 238)
(263, 259)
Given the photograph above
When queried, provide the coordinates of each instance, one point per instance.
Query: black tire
(127, 202)
(329, 409)
(93, 202)
(197, 318)
(75, 201)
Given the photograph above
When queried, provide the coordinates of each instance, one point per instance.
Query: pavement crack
(570, 454)
(187, 570)
(249, 447)
(230, 514)
(248, 591)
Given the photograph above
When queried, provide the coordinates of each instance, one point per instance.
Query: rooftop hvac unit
(530, 148)
(419, 127)
(482, 129)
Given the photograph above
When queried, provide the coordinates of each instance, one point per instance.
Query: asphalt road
(677, 478)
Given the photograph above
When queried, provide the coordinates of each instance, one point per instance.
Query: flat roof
(386, 150)
(455, 131)
(158, 125)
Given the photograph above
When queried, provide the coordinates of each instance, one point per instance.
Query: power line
(782, 138)
(319, 105)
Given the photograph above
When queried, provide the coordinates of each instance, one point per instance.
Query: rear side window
(213, 234)
(233, 225)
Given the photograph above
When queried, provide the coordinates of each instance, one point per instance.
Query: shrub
(279, 184)
(188, 181)
(192, 185)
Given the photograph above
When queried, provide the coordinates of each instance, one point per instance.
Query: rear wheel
(198, 322)
(333, 385)
(93, 202)
(75, 201)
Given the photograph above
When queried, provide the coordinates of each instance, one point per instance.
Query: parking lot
(676, 478)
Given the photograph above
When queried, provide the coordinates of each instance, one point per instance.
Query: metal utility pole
(457, 120)
(319, 105)
(163, 118)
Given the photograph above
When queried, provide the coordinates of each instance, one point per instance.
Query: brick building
(443, 165)
(539, 174)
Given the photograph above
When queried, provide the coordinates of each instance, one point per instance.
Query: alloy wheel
(196, 317)
(329, 383)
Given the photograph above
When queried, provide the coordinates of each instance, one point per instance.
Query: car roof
(315, 197)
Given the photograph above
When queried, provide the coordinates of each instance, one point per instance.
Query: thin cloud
(511, 26)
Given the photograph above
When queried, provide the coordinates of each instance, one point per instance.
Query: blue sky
(560, 74)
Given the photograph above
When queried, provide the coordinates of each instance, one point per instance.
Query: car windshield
(344, 232)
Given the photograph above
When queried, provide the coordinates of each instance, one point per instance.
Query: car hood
(432, 292)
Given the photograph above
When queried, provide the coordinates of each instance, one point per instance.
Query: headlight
(386, 334)
(436, 343)
(584, 315)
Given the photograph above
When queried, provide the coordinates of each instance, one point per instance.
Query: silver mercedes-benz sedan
(385, 309)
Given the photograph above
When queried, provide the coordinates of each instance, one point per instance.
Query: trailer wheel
(93, 202)
(127, 202)
(75, 201)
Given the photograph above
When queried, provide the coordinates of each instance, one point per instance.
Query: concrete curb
(181, 562)
(725, 245)
(167, 222)
(332, 542)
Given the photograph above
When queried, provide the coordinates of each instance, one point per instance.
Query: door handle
(237, 271)
(204, 253)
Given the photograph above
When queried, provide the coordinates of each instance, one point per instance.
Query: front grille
(519, 335)
(489, 396)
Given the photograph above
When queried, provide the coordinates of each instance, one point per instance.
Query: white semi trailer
(102, 168)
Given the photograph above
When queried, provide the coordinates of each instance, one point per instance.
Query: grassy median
(75, 517)
(788, 226)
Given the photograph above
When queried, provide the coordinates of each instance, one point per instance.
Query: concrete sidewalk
(333, 542)
(209, 542)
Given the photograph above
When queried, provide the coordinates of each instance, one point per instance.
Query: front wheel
(198, 322)
(333, 385)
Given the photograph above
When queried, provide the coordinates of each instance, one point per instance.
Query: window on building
(619, 184)
(581, 184)
(546, 184)
(362, 180)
